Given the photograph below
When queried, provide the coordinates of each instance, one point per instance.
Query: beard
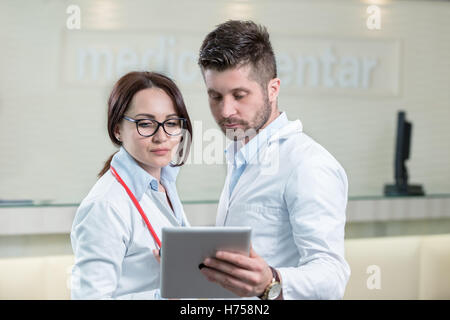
(249, 128)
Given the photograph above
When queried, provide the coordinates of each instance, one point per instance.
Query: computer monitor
(402, 153)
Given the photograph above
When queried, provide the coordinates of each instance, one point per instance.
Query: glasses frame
(160, 124)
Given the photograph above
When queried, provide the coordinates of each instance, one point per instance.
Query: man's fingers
(230, 269)
(228, 282)
(237, 259)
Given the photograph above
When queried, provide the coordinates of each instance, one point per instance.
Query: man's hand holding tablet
(185, 249)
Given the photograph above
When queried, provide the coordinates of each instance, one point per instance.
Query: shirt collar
(239, 154)
(136, 178)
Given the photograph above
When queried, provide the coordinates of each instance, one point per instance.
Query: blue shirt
(140, 181)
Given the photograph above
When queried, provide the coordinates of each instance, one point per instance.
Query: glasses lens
(147, 127)
(173, 126)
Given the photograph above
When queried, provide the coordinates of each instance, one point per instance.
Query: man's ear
(273, 89)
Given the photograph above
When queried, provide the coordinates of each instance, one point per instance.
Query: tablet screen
(185, 248)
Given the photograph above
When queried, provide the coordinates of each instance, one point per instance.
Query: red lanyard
(136, 203)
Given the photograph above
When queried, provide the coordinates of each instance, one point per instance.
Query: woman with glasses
(116, 230)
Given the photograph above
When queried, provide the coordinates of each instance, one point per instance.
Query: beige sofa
(415, 267)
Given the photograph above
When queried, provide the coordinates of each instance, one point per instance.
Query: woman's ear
(117, 133)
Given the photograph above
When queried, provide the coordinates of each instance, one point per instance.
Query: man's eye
(216, 98)
(238, 97)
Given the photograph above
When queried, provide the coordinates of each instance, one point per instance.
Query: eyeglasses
(148, 127)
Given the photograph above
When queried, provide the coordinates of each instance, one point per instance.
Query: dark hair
(235, 43)
(122, 94)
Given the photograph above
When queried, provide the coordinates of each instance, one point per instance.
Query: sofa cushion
(383, 268)
(58, 271)
(435, 267)
(22, 278)
(31, 278)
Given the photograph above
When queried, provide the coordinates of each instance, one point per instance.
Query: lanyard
(137, 205)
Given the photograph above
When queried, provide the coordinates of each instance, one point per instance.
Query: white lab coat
(294, 199)
(111, 242)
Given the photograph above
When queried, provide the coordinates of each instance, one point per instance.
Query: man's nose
(228, 107)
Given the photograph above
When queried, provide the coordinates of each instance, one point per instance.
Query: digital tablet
(182, 251)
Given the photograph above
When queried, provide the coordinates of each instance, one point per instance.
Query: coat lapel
(222, 209)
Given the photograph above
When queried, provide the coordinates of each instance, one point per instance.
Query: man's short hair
(236, 43)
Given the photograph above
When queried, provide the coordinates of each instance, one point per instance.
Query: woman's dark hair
(235, 43)
(120, 100)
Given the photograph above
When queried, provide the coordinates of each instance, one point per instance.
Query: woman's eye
(171, 123)
(146, 124)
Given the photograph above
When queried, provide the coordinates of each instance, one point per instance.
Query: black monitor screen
(402, 148)
(402, 153)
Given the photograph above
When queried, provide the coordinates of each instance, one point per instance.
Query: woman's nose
(160, 135)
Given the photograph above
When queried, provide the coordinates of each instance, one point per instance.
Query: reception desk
(47, 218)
(44, 229)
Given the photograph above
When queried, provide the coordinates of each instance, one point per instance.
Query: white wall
(53, 137)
